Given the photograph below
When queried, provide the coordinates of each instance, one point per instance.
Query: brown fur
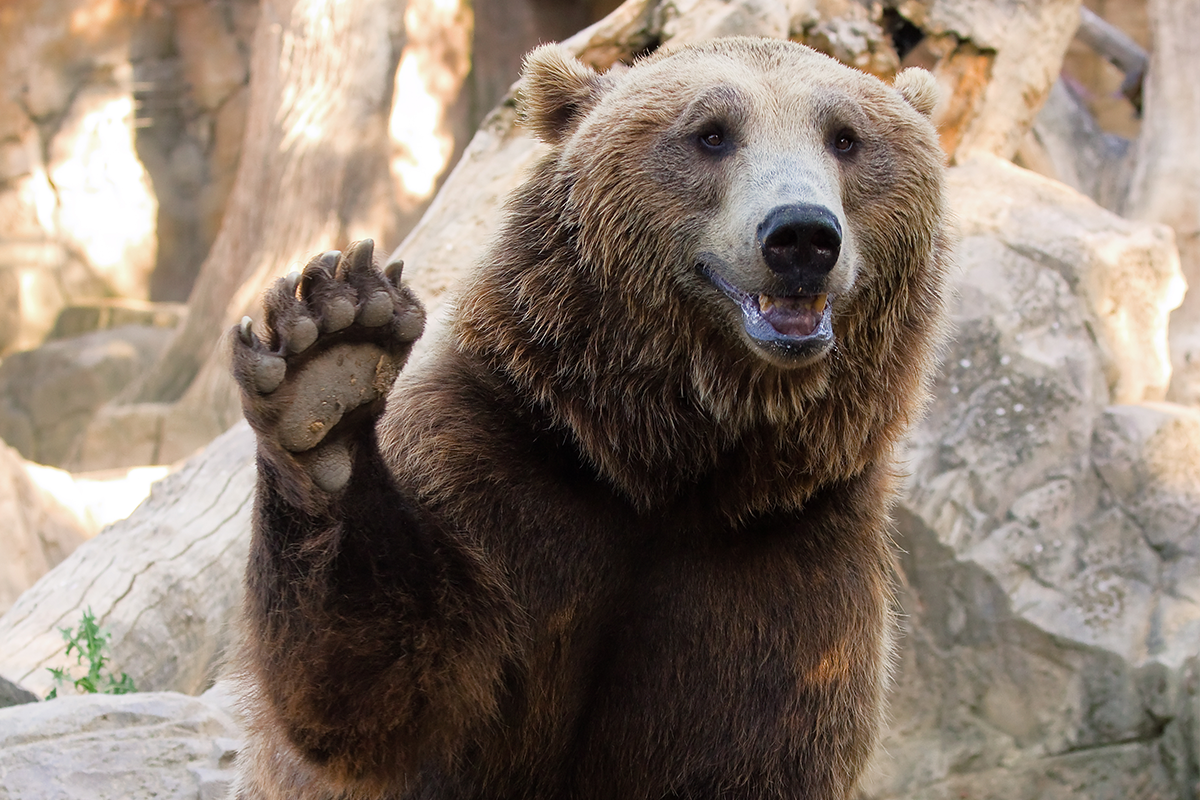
(598, 546)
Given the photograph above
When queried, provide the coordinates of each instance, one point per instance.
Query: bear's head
(757, 170)
(722, 241)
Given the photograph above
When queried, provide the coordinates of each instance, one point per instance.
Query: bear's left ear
(555, 92)
(919, 88)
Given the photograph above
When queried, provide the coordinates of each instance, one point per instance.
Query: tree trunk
(313, 170)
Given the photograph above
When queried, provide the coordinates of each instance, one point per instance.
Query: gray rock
(166, 582)
(1048, 536)
(1067, 144)
(49, 394)
(36, 532)
(683, 21)
(1019, 227)
(125, 747)
(13, 695)
(120, 435)
(111, 312)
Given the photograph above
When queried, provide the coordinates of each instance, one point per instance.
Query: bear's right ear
(918, 88)
(555, 92)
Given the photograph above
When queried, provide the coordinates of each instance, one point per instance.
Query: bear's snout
(801, 243)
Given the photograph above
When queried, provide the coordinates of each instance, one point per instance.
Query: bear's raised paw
(335, 337)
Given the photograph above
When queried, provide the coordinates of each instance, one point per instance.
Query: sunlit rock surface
(118, 747)
(166, 582)
(36, 532)
(1049, 537)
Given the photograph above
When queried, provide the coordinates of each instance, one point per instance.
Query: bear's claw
(336, 335)
(245, 331)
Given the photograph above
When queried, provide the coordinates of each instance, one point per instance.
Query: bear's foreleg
(374, 640)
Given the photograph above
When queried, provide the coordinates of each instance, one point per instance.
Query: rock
(118, 435)
(13, 695)
(1163, 187)
(682, 21)
(166, 582)
(191, 62)
(48, 512)
(1066, 144)
(1048, 536)
(36, 534)
(1018, 45)
(107, 313)
(995, 61)
(855, 40)
(118, 747)
(97, 499)
(154, 91)
(453, 233)
(68, 160)
(1127, 273)
(94, 168)
(10, 308)
(49, 394)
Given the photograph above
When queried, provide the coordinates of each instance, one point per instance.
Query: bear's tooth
(765, 303)
(819, 303)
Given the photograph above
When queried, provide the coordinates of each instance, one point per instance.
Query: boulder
(102, 100)
(166, 581)
(138, 746)
(1166, 176)
(48, 512)
(1048, 534)
(694, 20)
(97, 499)
(112, 312)
(1067, 144)
(995, 61)
(117, 435)
(93, 166)
(1126, 273)
(13, 695)
(190, 61)
(48, 395)
(68, 162)
(36, 533)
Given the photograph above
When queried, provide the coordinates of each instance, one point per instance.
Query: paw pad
(338, 315)
(330, 467)
(336, 335)
(377, 310)
(269, 372)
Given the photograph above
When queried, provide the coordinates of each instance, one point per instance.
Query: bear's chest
(666, 670)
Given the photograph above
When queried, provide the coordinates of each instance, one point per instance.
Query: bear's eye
(844, 141)
(712, 139)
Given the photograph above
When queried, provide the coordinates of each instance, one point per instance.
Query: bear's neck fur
(666, 403)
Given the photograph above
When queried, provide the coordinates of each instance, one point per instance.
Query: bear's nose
(800, 241)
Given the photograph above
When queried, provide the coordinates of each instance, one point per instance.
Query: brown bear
(620, 529)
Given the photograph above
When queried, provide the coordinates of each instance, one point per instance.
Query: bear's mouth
(794, 326)
(794, 316)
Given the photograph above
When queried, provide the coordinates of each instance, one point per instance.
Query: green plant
(89, 643)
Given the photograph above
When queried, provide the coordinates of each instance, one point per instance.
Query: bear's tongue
(793, 316)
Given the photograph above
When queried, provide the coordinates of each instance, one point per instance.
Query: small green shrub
(90, 644)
